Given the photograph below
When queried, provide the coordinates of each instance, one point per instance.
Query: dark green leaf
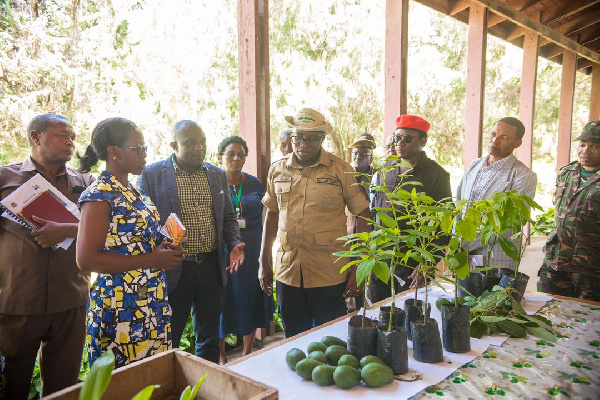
(542, 333)
(512, 328)
(509, 248)
(478, 328)
(382, 271)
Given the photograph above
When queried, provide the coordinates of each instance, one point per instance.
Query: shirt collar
(30, 165)
(324, 159)
(498, 164)
(176, 167)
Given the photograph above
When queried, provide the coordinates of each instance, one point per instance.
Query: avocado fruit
(332, 340)
(376, 375)
(334, 353)
(305, 367)
(370, 359)
(349, 359)
(319, 356)
(316, 346)
(346, 377)
(322, 375)
(293, 356)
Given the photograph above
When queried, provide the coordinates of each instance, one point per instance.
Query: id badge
(241, 222)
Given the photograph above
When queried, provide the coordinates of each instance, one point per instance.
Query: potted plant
(504, 218)
(424, 239)
(368, 250)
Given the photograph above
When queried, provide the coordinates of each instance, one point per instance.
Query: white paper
(29, 191)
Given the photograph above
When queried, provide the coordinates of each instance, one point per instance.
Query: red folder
(47, 207)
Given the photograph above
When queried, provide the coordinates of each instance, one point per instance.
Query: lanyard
(237, 200)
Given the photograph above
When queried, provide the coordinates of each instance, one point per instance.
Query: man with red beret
(409, 138)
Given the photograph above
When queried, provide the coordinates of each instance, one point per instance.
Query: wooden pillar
(565, 111)
(396, 51)
(527, 102)
(475, 81)
(253, 65)
(595, 95)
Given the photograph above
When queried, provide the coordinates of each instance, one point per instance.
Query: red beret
(412, 122)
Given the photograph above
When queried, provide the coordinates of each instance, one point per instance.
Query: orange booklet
(174, 229)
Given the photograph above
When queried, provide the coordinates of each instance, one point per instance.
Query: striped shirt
(197, 213)
(484, 178)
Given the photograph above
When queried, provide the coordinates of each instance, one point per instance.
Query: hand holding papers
(37, 197)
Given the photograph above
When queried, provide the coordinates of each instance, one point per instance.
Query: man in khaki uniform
(306, 195)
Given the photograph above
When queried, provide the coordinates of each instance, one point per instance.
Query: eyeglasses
(405, 138)
(310, 141)
(140, 150)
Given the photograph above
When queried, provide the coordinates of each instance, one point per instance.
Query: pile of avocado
(329, 362)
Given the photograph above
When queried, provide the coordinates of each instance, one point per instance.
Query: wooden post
(595, 95)
(253, 65)
(396, 50)
(475, 81)
(565, 111)
(527, 103)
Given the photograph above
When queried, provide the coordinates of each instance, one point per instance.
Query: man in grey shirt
(499, 171)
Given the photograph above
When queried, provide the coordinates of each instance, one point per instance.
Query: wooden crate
(173, 370)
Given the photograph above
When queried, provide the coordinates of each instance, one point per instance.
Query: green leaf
(512, 328)
(145, 393)
(99, 377)
(364, 270)
(478, 328)
(442, 301)
(540, 320)
(382, 271)
(467, 229)
(462, 270)
(490, 319)
(387, 220)
(197, 387)
(509, 248)
(542, 333)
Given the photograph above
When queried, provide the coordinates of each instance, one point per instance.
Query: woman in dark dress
(247, 307)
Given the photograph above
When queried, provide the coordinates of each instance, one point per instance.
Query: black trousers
(61, 336)
(300, 307)
(199, 290)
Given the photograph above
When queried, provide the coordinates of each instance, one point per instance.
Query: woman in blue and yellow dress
(119, 237)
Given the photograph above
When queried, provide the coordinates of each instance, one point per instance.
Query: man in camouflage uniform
(572, 263)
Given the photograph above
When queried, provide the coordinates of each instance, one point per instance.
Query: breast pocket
(329, 196)
(282, 190)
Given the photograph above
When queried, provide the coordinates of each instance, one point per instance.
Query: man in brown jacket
(43, 295)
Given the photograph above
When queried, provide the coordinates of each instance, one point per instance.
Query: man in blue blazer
(499, 171)
(198, 193)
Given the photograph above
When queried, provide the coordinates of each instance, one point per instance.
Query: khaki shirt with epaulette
(311, 203)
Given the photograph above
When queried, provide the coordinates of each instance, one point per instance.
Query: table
(496, 366)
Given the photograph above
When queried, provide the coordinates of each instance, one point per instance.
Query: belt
(198, 258)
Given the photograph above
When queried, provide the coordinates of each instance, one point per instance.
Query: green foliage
(544, 223)
(190, 393)
(145, 393)
(99, 377)
(497, 311)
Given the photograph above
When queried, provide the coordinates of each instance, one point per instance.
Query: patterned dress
(128, 311)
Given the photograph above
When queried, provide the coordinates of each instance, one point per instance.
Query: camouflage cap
(591, 132)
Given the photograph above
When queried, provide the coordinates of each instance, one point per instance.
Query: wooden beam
(595, 94)
(565, 110)
(457, 6)
(565, 9)
(396, 56)
(518, 31)
(253, 73)
(549, 33)
(495, 19)
(527, 101)
(476, 52)
(579, 23)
